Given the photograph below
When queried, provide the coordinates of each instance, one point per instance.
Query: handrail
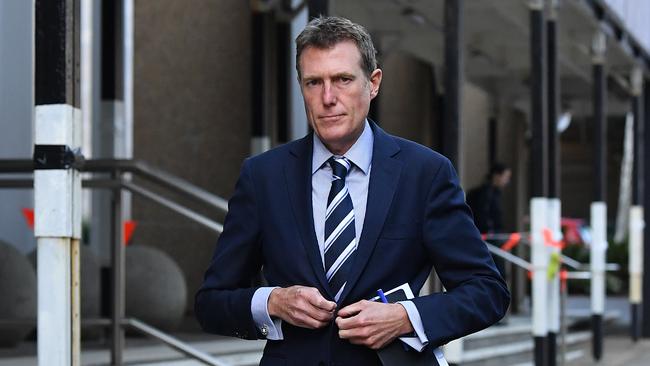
(566, 260)
(174, 343)
(175, 184)
(139, 168)
(509, 256)
(215, 226)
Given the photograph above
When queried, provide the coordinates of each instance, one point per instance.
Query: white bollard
(637, 224)
(598, 254)
(539, 258)
(554, 224)
(57, 227)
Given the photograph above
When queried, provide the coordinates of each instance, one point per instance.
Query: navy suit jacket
(416, 219)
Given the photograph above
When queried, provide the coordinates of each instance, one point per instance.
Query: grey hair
(326, 32)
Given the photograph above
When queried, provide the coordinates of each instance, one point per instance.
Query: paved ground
(620, 350)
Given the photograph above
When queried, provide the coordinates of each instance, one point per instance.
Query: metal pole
(539, 166)
(599, 206)
(260, 140)
(454, 61)
(283, 60)
(539, 156)
(57, 184)
(646, 204)
(553, 178)
(117, 275)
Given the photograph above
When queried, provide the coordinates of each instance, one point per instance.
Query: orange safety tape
(129, 227)
(548, 239)
(28, 213)
(512, 242)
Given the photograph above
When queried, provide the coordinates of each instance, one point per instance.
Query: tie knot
(340, 166)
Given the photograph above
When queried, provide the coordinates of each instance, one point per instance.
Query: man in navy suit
(338, 214)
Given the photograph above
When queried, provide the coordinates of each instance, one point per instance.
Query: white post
(637, 224)
(57, 227)
(598, 253)
(260, 144)
(554, 224)
(454, 351)
(539, 257)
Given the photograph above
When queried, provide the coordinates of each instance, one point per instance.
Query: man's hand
(301, 306)
(372, 324)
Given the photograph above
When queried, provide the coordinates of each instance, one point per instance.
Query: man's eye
(345, 80)
(311, 82)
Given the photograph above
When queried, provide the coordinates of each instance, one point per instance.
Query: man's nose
(329, 94)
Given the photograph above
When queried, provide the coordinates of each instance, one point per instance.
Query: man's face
(337, 93)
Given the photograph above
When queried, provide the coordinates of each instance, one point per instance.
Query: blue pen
(380, 292)
(383, 299)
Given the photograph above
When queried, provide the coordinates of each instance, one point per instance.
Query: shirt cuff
(418, 343)
(261, 317)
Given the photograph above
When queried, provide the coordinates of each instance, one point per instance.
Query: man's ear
(375, 82)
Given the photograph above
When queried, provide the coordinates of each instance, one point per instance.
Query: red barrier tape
(129, 227)
(28, 213)
(512, 242)
(549, 241)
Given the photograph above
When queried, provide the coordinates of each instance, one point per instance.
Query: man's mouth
(331, 117)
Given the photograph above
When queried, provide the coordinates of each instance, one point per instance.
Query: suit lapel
(384, 178)
(298, 174)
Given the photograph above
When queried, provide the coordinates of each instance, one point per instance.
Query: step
(570, 356)
(517, 352)
(233, 352)
(496, 335)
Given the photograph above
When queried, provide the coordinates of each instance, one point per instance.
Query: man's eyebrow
(344, 75)
(310, 77)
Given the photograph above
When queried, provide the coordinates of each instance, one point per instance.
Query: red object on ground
(28, 213)
(129, 227)
(512, 242)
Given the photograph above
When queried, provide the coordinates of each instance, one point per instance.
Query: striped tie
(340, 237)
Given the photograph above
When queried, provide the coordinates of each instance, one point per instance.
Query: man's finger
(316, 299)
(352, 309)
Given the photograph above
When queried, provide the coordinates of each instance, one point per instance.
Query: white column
(57, 227)
(598, 253)
(539, 256)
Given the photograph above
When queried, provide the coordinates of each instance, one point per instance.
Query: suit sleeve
(223, 302)
(476, 295)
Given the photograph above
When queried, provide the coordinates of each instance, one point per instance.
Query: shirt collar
(360, 154)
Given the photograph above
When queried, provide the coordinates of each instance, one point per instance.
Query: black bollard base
(597, 336)
(552, 349)
(540, 351)
(635, 324)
